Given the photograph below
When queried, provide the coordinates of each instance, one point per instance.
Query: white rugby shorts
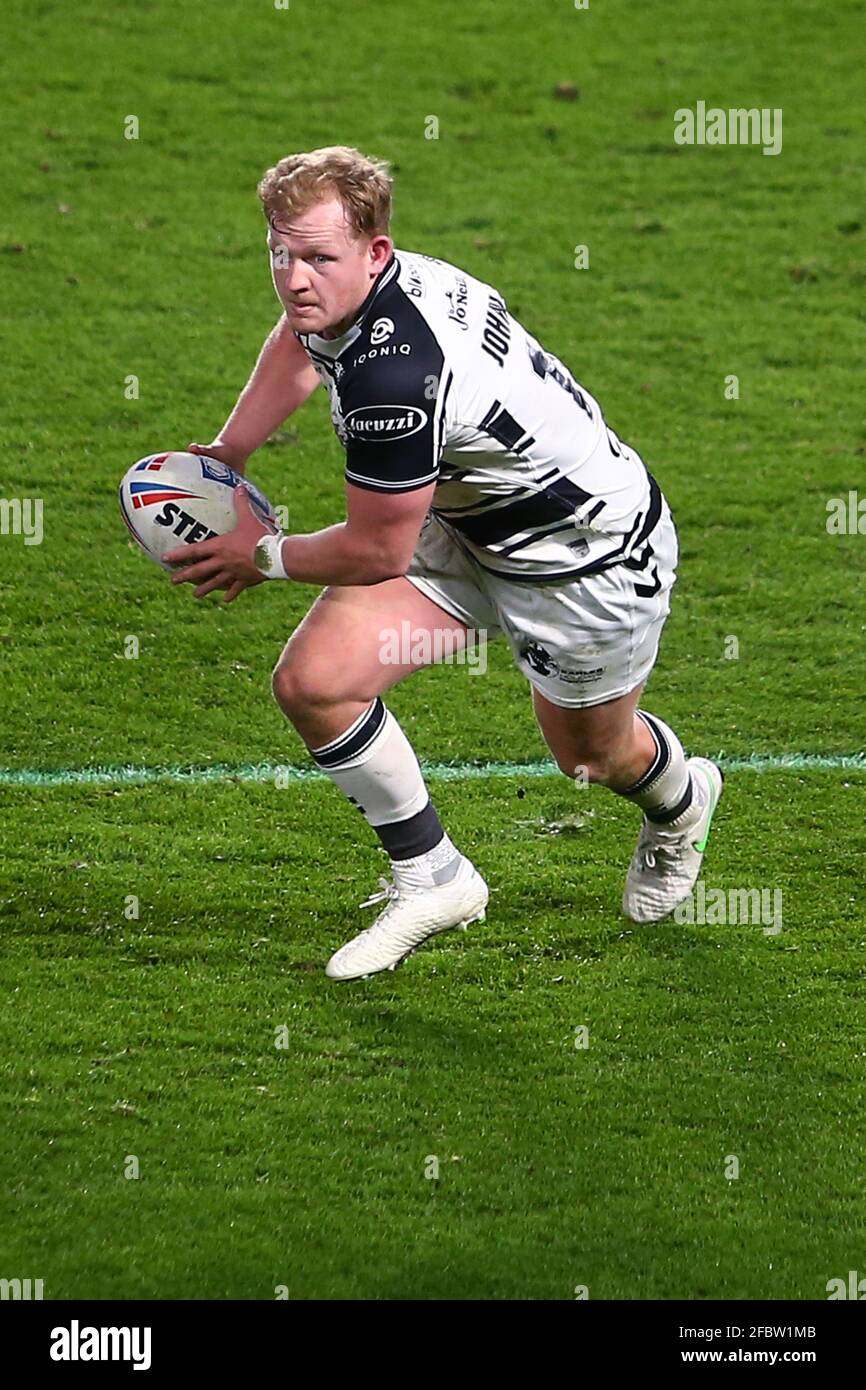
(580, 642)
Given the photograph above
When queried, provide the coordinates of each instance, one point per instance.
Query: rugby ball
(174, 499)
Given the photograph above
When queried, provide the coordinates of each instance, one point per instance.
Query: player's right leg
(353, 645)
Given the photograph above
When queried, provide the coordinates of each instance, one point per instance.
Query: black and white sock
(374, 764)
(666, 793)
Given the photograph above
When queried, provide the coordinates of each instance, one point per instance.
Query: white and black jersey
(436, 381)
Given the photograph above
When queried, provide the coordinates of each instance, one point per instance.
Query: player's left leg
(587, 647)
(640, 758)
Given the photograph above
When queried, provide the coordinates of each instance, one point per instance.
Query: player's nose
(297, 277)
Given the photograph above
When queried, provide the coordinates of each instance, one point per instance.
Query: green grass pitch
(154, 1037)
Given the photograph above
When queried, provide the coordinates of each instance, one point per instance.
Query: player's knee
(295, 688)
(280, 682)
(311, 684)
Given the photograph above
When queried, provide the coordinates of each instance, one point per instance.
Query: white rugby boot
(666, 863)
(411, 916)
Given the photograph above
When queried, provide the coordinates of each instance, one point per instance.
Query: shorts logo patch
(544, 664)
(539, 659)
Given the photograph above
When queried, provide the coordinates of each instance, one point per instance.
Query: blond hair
(363, 185)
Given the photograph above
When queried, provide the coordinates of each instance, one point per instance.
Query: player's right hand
(224, 452)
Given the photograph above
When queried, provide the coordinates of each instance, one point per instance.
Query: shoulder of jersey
(416, 324)
(445, 296)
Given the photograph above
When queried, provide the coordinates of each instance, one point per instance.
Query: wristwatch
(267, 557)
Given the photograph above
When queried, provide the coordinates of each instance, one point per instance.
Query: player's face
(320, 274)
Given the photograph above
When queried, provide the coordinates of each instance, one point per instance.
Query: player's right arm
(280, 382)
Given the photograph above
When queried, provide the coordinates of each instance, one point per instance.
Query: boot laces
(390, 893)
(661, 848)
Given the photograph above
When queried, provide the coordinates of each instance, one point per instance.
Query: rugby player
(484, 493)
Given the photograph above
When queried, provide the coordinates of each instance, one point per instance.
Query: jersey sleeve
(395, 417)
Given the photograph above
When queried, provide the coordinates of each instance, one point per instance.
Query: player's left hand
(226, 562)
